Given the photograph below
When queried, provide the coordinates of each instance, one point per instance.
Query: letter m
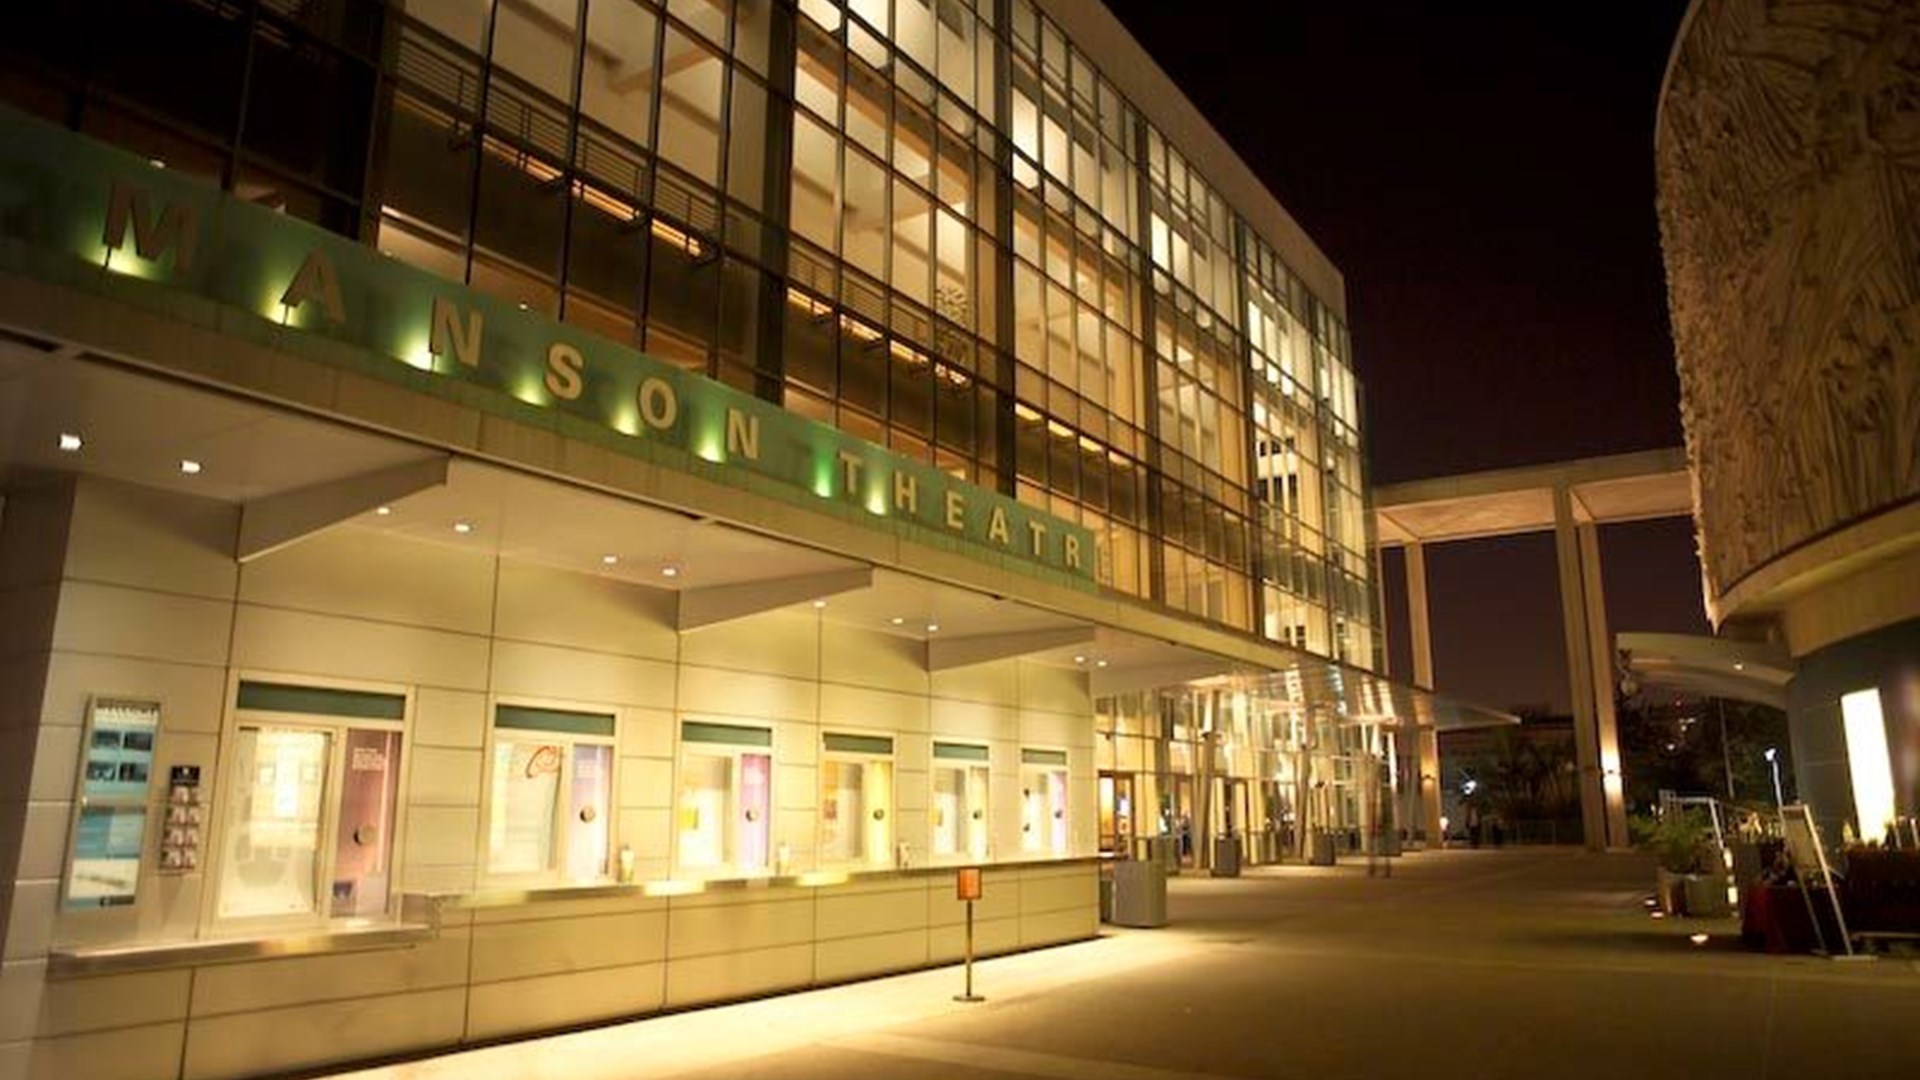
(178, 226)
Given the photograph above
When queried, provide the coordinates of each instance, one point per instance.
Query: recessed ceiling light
(819, 604)
(1738, 666)
(669, 571)
(609, 560)
(383, 511)
(189, 466)
(1100, 663)
(463, 527)
(156, 163)
(933, 628)
(897, 620)
(69, 442)
(1079, 659)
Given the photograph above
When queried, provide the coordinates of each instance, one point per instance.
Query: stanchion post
(967, 887)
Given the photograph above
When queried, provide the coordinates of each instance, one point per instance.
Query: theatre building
(520, 513)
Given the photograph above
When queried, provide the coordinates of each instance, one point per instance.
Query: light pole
(1773, 761)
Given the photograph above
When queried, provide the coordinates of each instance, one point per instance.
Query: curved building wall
(1788, 150)
(1789, 179)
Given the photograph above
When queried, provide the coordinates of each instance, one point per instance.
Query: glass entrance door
(1117, 827)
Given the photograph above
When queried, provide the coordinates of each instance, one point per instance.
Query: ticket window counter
(311, 808)
(550, 795)
(960, 819)
(725, 802)
(1043, 802)
(856, 801)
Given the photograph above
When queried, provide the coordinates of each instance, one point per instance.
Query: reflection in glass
(526, 788)
(272, 845)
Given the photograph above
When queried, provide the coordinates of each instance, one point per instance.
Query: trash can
(1320, 848)
(1159, 850)
(1226, 856)
(1139, 893)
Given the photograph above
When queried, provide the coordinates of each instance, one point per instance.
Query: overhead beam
(944, 654)
(276, 521)
(1111, 680)
(714, 604)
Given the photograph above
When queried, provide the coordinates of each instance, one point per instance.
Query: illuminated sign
(301, 289)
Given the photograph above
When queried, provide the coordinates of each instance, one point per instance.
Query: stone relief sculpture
(1788, 161)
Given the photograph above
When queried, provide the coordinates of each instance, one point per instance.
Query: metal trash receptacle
(1320, 848)
(1226, 856)
(1139, 893)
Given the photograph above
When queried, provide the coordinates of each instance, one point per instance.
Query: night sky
(1485, 182)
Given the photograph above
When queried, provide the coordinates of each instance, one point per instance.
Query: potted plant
(1681, 844)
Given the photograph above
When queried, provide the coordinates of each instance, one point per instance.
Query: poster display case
(111, 811)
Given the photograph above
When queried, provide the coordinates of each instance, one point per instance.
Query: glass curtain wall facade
(935, 224)
(1196, 766)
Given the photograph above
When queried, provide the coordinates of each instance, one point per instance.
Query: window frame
(224, 790)
(887, 856)
(555, 873)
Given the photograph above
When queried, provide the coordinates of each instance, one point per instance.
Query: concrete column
(1573, 619)
(1420, 640)
(1606, 725)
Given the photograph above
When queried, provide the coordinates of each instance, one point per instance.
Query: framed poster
(110, 822)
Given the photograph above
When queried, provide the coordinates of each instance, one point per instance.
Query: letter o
(658, 405)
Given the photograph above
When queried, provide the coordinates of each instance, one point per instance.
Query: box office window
(1043, 802)
(960, 821)
(856, 799)
(725, 799)
(550, 795)
(312, 803)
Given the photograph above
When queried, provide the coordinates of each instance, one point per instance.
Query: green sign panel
(63, 194)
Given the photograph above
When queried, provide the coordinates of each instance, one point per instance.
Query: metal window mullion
(566, 180)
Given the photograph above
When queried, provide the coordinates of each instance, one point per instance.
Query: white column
(1574, 620)
(1420, 640)
(1606, 725)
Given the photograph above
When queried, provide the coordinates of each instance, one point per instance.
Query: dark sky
(1485, 181)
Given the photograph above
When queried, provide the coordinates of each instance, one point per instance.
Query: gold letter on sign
(658, 407)
(906, 492)
(178, 227)
(850, 471)
(449, 333)
(743, 435)
(997, 527)
(563, 370)
(316, 280)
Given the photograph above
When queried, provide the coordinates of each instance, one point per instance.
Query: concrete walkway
(1481, 964)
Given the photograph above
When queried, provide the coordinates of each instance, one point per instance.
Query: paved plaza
(1482, 964)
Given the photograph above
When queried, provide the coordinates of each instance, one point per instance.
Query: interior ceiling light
(189, 466)
(383, 511)
(1079, 659)
(69, 442)
(818, 604)
(1100, 663)
(609, 560)
(669, 571)
(898, 620)
(933, 628)
(463, 527)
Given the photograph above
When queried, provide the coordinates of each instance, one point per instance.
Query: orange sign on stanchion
(966, 883)
(968, 886)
